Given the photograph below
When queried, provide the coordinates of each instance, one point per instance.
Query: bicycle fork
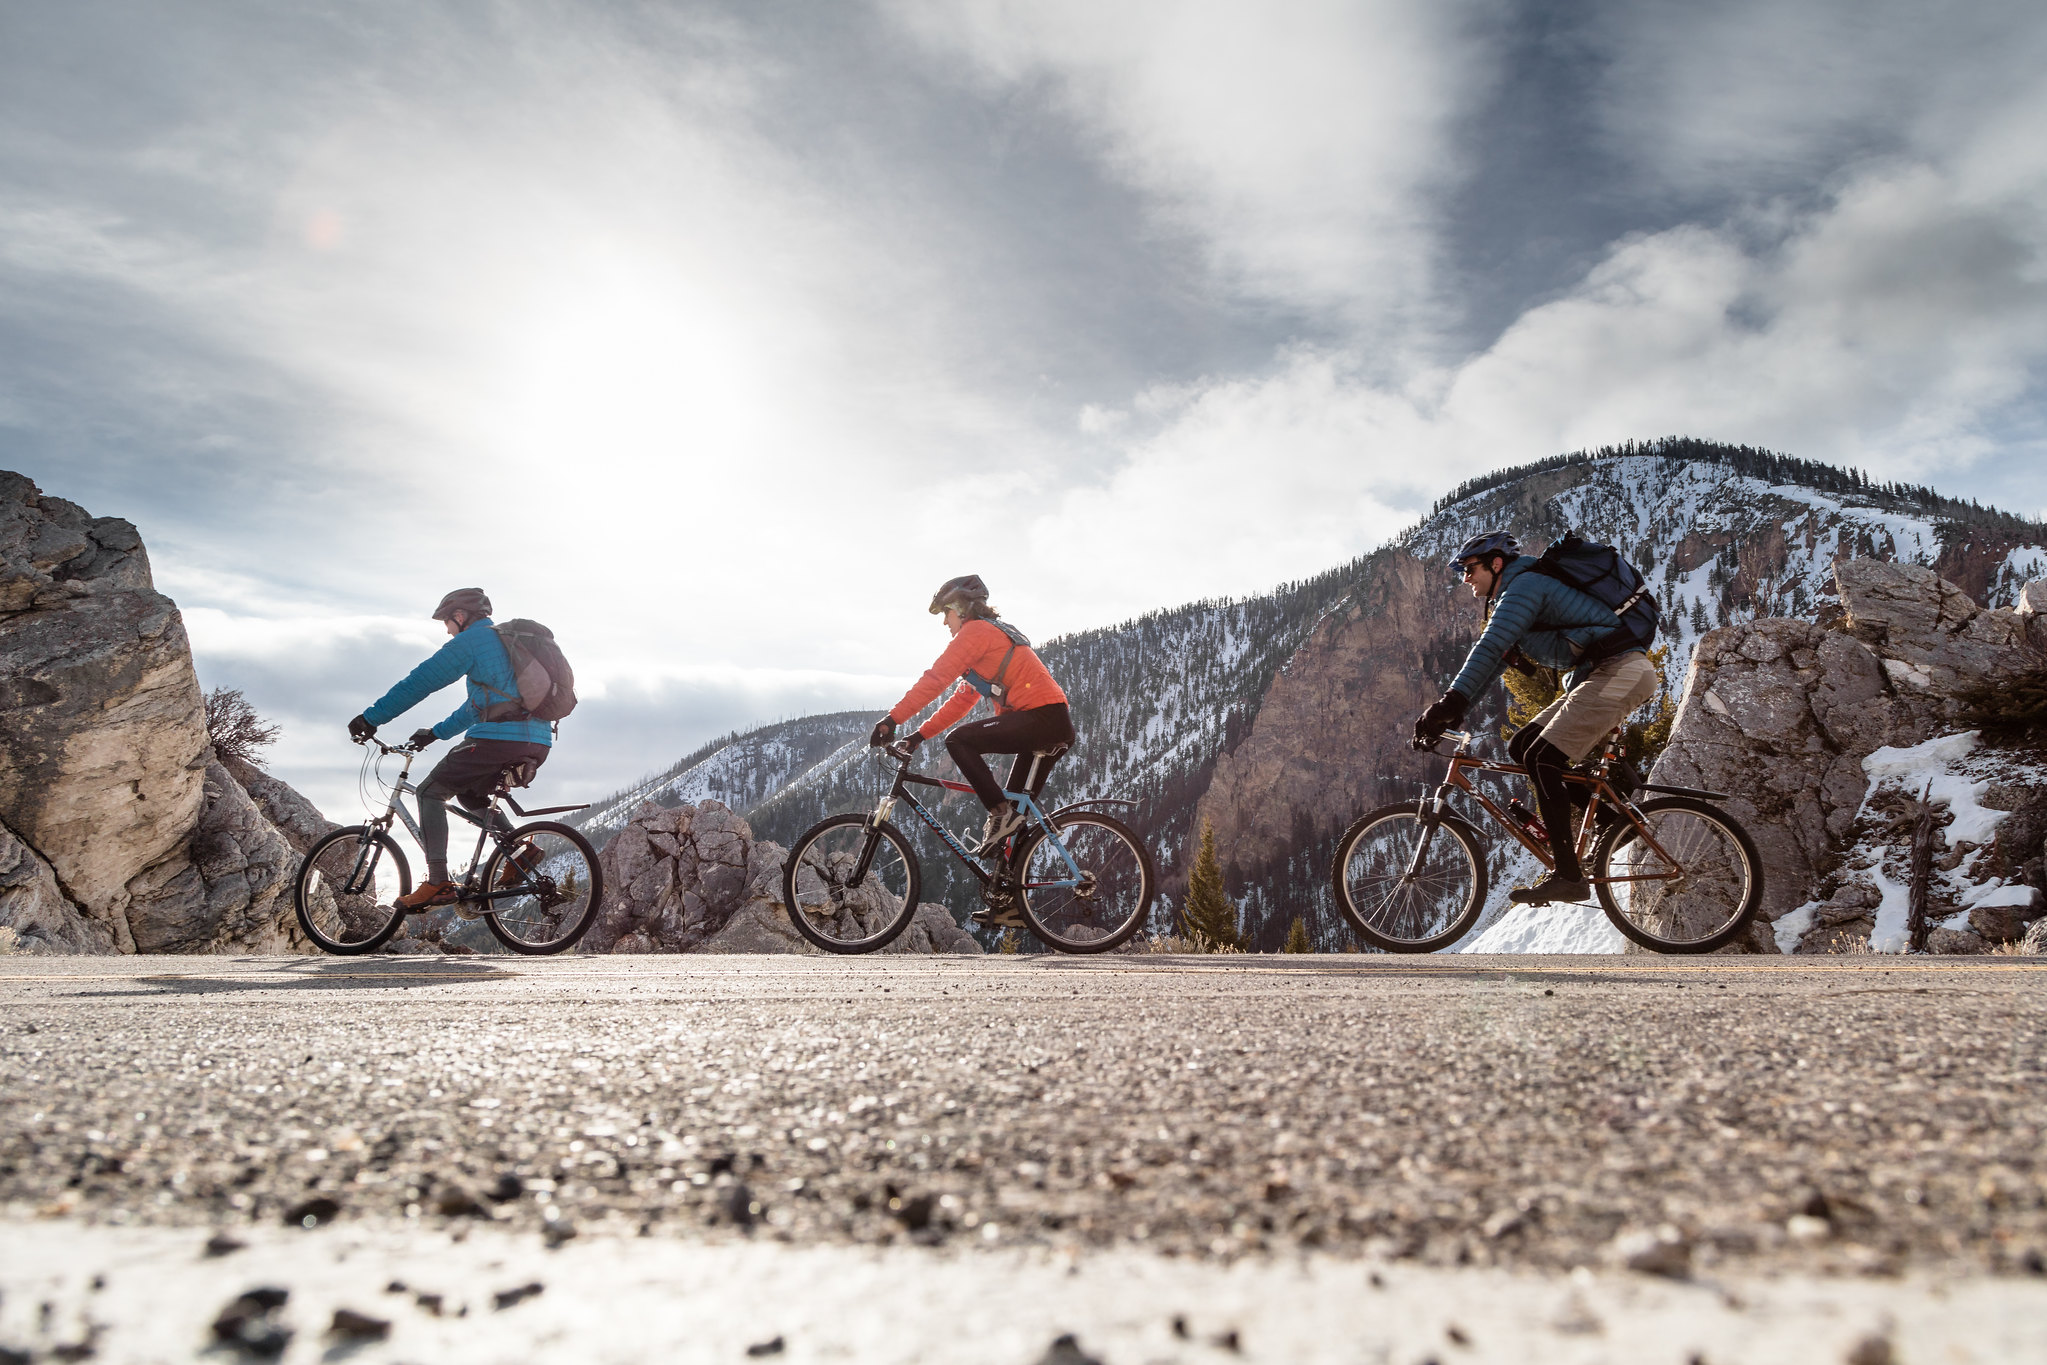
(1428, 810)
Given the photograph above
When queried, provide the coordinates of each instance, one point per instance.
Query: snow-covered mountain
(1279, 717)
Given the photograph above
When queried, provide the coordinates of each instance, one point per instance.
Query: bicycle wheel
(346, 889)
(1699, 897)
(1105, 904)
(850, 885)
(1402, 894)
(545, 888)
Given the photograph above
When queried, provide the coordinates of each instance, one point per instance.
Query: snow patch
(1791, 927)
(1548, 929)
(1928, 768)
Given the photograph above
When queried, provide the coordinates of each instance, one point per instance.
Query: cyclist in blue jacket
(498, 732)
(1552, 624)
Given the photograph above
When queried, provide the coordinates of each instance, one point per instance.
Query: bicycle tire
(321, 911)
(1124, 883)
(817, 898)
(567, 867)
(1716, 932)
(1385, 836)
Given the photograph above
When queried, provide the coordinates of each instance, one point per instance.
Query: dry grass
(1193, 943)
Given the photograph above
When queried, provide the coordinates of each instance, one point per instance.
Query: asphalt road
(1862, 1115)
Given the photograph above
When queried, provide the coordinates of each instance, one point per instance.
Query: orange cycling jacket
(978, 648)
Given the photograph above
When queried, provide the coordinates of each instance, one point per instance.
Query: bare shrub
(235, 728)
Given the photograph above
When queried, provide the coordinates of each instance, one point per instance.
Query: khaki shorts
(1579, 719)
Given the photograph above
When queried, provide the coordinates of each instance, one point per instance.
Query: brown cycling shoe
(1551, 888)
(520, 865)
(426, 896)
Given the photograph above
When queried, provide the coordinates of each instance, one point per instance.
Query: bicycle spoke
(543, 890)
(346, 888)
(1105, 903)
(1406, 886)
(835, 903)
(1689, 884)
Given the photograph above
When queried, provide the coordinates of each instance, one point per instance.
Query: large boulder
(35, 914)
(1785, 715)
(226, 890)
(693, 879)
(121, 831)
(103, 748)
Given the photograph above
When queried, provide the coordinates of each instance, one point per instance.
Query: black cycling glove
(360, 729)
(912, 740)
(421, 738)
(1444, 713)
(884, 731)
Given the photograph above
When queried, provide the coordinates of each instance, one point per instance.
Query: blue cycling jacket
(1551, 621)
(478, 655)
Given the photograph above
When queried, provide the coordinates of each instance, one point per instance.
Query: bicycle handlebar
(1463, 737)
(389, 748)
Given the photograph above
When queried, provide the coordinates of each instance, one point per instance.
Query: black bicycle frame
(905, 778)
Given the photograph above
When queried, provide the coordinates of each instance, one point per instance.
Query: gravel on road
(1860, 1115)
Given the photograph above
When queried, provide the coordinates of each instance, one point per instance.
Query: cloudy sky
(714, 335)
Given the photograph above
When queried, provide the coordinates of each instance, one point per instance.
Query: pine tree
(1297, 938)
(1529, 693)
(1211, 919)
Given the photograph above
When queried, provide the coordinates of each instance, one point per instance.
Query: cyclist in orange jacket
(989, 658)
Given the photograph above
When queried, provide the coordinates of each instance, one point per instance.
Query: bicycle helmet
(472, 600)
(1485, 546)
(964, 594)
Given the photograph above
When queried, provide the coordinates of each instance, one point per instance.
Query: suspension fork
(882, 810)
(1429, 811)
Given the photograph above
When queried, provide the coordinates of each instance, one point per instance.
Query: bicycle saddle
(520, 774)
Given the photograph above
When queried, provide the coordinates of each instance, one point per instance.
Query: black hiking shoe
(1551, 888)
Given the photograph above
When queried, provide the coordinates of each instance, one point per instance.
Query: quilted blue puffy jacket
(1551, 621)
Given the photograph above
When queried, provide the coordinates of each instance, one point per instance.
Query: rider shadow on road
(327, 974)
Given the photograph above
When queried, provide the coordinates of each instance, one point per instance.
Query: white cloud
(1300, 142)
(1894, 328)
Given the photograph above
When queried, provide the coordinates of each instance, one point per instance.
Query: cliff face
(1330, 738)
(130, 837)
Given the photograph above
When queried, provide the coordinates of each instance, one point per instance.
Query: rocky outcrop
(1786, 716)
(227, 890)
(296, 818)
(693, 879)
(35, 915)
(103, 749)
(107, 780)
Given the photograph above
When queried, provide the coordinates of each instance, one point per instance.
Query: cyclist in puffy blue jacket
(498, 732)
(1549, 623)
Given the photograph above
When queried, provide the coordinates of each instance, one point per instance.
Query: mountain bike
(1081, 879)
(1674, 873)
(538, 889)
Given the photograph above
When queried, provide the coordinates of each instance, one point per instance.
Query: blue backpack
(1600, 572)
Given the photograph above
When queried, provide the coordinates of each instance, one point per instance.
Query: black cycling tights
(1013, 732)
(1546, 765)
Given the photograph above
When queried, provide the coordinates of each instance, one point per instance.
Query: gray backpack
(547, 685)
